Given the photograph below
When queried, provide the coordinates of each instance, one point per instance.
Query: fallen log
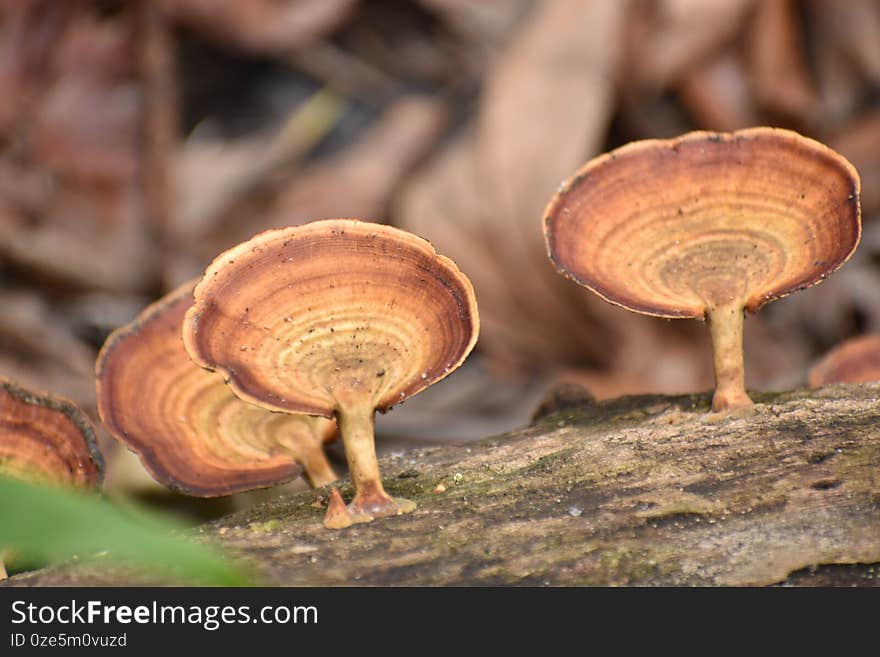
(637, 491)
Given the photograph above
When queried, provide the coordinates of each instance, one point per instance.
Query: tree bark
(638, 491)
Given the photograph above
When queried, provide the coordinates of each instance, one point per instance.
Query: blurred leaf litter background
(138, 139)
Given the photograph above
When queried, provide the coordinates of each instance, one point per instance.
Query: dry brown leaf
(38, 350)
(481, 200)
(859, 142)
(262, 26)
(489, 219)
(547, 103)
(485, 23)
(850, 303)
(838, 82)
(358, 182)
(854, 27)
(28, 31)
(780, 73)
(667, 37)
(545, 110)
(211, 177)
(208, 176)
(443, 204)
(228, 191)
(70, 196)
(717, 93)
(157, 71)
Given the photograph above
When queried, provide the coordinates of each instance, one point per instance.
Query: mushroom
(856, 360)
(45, 439)
(338, 318)
(190, 432)
(706, 226)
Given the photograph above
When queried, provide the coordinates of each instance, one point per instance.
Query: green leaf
(49, 524)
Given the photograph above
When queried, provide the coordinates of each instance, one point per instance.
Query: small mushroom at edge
(856, 360)
(707, 225)
(337, 317)
(47, 440)
(190, 431)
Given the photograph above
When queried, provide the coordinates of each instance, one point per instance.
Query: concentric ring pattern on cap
(671, 227)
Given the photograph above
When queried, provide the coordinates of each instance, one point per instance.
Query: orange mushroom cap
(856, 360)
(332, 313)
(188, 428)
(671, 227)
(47, 439)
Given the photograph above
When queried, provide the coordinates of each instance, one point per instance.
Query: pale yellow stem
(317, 468)
(357, 430)
(307, 446)
(726, 327)
(370, 499)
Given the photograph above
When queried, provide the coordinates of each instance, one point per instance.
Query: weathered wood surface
(637, 491)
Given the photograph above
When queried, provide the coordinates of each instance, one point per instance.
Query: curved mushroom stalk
(726, 328)
(370, 499)
(706, 226)
(334, 318)
(310, 453)
(303, 438)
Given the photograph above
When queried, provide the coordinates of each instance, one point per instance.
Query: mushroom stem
(3, 574)
(337, 516)
(370, 499)
(356, 427)
(306, 446)
(317, 468)
(726, 327)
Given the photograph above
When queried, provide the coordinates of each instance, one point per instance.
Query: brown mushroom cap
(190, 431)
(332, 313)
(672, 227)
(47, 439)
(856, 360)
